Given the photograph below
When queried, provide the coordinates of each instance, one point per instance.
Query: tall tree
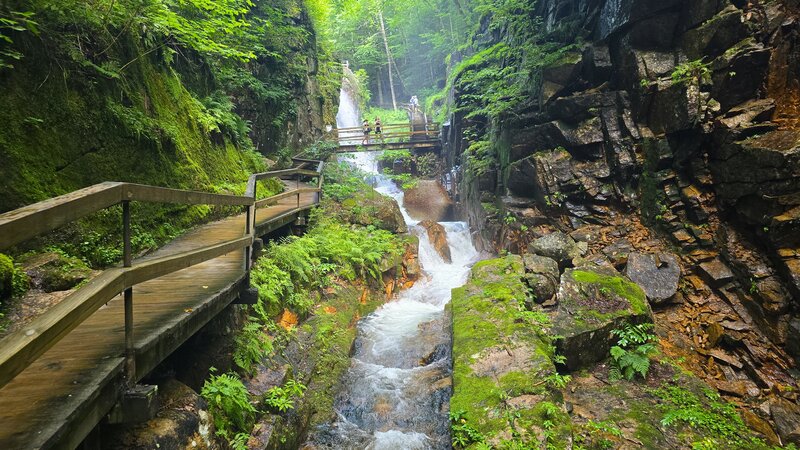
(388, 58)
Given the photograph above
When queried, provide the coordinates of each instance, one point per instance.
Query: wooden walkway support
(61, 374)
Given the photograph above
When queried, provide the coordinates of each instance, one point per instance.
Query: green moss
(628, 290)
(6, 276)
(487, 320)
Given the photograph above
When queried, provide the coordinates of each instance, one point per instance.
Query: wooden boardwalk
(424, 137)
(58, 399)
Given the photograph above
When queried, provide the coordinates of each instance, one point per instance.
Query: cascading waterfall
(397, 389)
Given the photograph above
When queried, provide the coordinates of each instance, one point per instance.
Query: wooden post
(297, 186)
(127, 261)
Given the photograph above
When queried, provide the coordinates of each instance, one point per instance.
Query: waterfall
(396, 391)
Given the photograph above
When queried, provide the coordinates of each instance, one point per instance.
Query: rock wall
(672, 126)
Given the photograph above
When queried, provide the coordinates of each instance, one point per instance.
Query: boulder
(657, 274)
(372, 208)
(541, 275)
(6, 276)
(717, 271)
(740, 73)
(437, 236)
(52, 271)
(428, 200)
(592, 302)
(559, 247)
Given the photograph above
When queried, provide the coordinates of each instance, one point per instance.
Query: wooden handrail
(21, 348)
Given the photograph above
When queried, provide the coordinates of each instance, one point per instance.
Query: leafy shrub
(281, 398)
(695, 70)
(252, 344)
(229, 404)
(631, 355)
(462, 433)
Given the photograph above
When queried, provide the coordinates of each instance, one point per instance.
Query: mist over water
(397, 389)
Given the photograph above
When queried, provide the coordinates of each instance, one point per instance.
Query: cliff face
(672, 124)
(93, 102)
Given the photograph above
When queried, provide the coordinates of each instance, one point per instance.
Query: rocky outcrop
(559, 247)
(55, 272)
(437, 236)
(674, 131)
(541, 275)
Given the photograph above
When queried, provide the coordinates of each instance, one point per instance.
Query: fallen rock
(428, 200)
(541, 275)
(593, 301)
(717, 271)
(558, 246)
(657, 274)
(437, 236)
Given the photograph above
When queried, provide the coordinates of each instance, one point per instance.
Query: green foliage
(696, 71)
(711, 416)
(229, 404)
(342, 181)
(10, 22)
(387, 116)
(392, 156)
(602, 433)
(252, 345)
(631, 355)
(281, 398)
(405, 180)
(462, 434)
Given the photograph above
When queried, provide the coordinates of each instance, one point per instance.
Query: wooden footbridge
(67, 369)
(422, 137)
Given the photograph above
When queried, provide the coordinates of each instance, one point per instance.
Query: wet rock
(717, 271)
(760, 426)
(739, 74)
(558, 246)
(619, 14)
(786, 416)
(542, 175)
(593, 301)
(541, 275)
(657, 274)
(749, 112)
(181, 423)
(618, 252)
(55, 272)
(438, 239)
(428, 200)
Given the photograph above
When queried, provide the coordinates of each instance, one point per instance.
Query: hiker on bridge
(365, 126)
(378, 127)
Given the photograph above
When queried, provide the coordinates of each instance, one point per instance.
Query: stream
(397, 390)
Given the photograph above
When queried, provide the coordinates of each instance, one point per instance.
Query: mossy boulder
(371, 208)
(52, 271)
(500, 362)
(6, 276)
(558, 246)
(593, 301)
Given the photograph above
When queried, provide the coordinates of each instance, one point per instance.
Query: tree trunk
(380, 87)
(388, 60)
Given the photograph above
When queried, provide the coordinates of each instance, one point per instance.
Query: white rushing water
(397, 391)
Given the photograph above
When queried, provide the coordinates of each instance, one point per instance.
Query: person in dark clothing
(365, 126)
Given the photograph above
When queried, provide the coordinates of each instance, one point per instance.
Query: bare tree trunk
(388, 59)
(380, 87)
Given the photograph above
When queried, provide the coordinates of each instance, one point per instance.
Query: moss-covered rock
(501, 362)
(371, 208)
(592, 302)
(56, 272)
(6, 276)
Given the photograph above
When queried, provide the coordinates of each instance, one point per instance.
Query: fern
(631, 356)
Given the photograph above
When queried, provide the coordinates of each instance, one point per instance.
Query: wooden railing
(389, 134)
(18, 350)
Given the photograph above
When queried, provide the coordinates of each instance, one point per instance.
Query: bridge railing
(21, 348)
